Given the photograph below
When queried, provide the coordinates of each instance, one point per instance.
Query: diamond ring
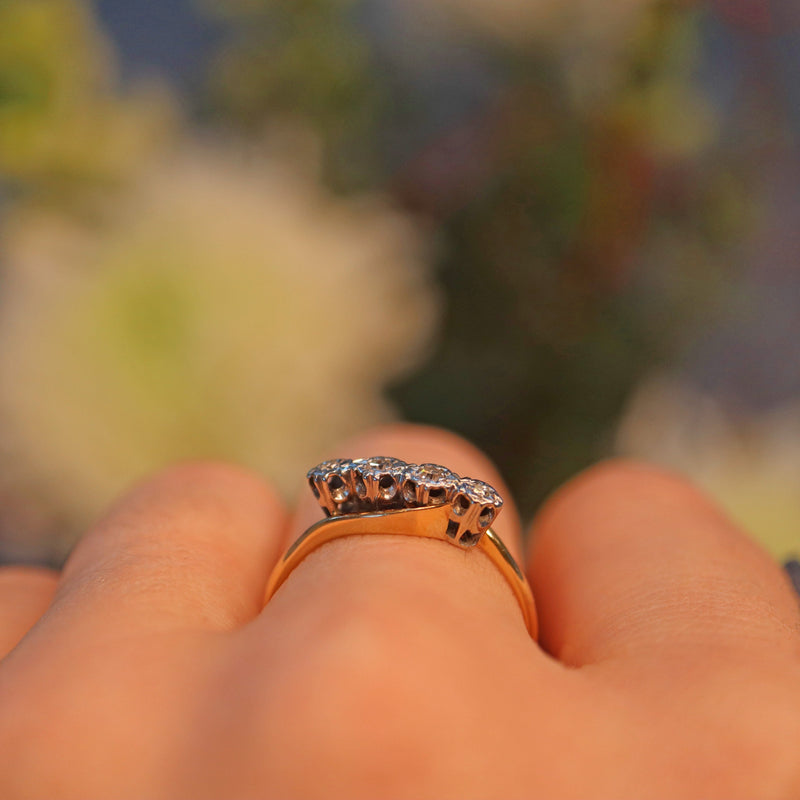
(383, 495)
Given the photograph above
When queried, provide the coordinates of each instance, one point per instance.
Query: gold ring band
(428, 522)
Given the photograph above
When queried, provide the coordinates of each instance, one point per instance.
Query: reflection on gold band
(430, 523)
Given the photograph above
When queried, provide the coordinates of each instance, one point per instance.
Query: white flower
(225, 309)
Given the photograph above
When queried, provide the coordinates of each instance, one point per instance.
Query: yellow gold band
(430, 523)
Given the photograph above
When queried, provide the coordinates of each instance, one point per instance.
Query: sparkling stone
(332, 485)
(351, 486)
(337, 466)
(480, 492)
(428, 484)
(377, 466)
(431, 475)
(475, 506)
(377, 481)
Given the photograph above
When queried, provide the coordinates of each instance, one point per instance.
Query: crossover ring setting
(383, 495)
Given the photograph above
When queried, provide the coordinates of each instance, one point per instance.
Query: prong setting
(382, 483)
(475, 506)
(380, 479)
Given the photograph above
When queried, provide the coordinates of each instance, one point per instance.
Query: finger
(404, 574)
(25, 594)
(627, 559)
(189, 548)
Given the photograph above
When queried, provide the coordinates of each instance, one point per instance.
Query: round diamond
(475, 506)
(377, 466)
(481, 493)
(332, 484)
(337, 466)
(428, 484)
(432, 475)
(378, 480)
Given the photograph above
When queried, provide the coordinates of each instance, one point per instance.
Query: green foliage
(63, 124)
(303, 60)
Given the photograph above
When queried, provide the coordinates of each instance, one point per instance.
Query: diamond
(475, 506)
(433, 475)
(378, 465)
(326, 468)
(480, 492)
(378, 481)
(332, 485)
(428, 485)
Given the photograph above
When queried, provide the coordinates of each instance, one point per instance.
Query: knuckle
(743, 738)
(365, 660)
(356, 697)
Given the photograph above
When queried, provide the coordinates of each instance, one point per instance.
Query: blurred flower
(60, 118)
(638, 55)
(229, 309)
(750, 465)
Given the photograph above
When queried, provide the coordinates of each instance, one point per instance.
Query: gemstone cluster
(368, 485)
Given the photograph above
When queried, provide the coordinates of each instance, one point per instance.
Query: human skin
(668, 664)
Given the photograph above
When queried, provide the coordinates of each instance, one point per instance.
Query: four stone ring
(384, 495)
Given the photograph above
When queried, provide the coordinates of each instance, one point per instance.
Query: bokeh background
(245, 229)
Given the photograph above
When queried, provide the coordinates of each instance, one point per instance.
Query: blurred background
(245, 229)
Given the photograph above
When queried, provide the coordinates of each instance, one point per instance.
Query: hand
(668, 664)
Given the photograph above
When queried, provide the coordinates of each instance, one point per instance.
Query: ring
(383, 495)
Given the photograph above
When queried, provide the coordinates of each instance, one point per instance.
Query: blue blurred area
(450, 78)
(787, 68)
(167, 38)
(750, 69)
(746, 57)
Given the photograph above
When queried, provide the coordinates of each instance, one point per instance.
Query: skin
(668, 664)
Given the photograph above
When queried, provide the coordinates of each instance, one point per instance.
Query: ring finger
(395, 576)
